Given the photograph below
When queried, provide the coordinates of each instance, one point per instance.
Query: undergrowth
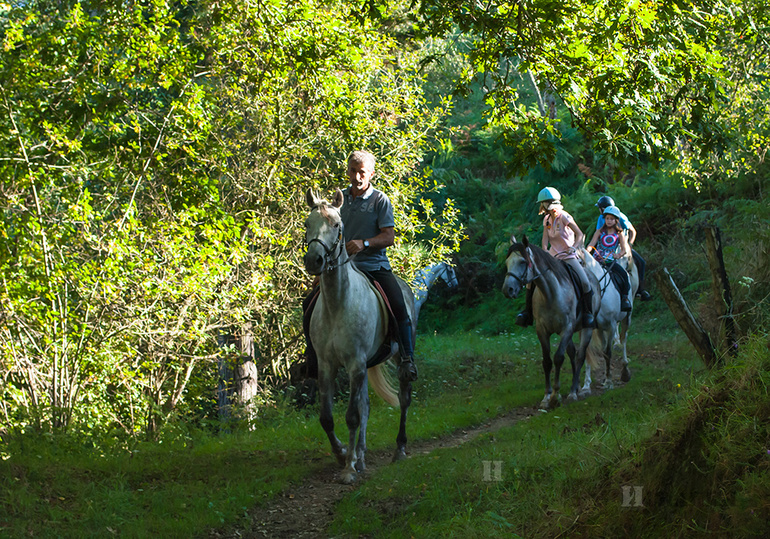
(532, 479)
(706, 469)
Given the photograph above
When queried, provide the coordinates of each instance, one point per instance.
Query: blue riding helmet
(548, 194)
(604, 202)
(611, 210)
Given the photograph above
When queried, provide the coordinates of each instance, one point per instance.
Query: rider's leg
(640, 265)
(624, 287)
(588, 293)
(406, 369)
(524, 318)
(311, 360)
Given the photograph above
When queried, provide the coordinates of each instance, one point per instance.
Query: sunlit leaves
(153, 158)
(634, 76)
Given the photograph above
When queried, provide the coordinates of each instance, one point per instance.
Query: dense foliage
(153, 162)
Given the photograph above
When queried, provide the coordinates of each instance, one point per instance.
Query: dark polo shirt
(363, 218)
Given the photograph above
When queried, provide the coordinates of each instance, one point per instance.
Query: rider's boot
(625, 304)
(588, 318)
(407, 371)
(524, 318)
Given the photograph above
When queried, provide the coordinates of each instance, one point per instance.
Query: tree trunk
(238, 377)
(692, 328)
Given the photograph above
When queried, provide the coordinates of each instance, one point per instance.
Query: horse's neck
(548, 282)
(431, 274)
(340, 283)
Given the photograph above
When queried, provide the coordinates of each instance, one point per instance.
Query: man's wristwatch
(366, 244)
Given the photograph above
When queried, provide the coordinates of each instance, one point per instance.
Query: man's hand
(354, 246)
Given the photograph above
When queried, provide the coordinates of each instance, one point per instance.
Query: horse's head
(520, 267)
(449, 276)
(323, 233)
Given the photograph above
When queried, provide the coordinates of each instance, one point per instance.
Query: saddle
(384, 351)
(617, 277)
(573, 276)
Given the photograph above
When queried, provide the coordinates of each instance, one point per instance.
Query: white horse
(348, 327)
(425, 278)
(609, 316)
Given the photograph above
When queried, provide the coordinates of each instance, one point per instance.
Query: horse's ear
(513, 239)
(338, 198)
(311, 197)
(525, 241)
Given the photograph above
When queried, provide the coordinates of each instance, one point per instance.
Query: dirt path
(306, 510)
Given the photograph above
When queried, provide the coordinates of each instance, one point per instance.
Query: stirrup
(407, 370)
(644, 295)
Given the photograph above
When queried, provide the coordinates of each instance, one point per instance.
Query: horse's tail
(382, 382)
(594, 352)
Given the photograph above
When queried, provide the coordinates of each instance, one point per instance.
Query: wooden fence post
(720, 286)
(691, 327)
(239, 379)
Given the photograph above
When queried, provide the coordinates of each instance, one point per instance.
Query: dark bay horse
(348, 326)
(554, 307)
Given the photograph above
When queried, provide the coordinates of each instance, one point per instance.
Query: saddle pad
(576, 285)
(617, 275)
(392, 331)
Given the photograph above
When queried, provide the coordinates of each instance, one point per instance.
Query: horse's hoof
(608, 385)
(347, 478)
(400, 454)
(360, 465)
(625, 376)
(572, 397)
(341, 456)
(555, 402)
(585, 392)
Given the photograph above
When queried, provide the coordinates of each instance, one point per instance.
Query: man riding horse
(367, 215)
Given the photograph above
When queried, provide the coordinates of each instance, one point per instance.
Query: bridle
(521, 278)
(330, 259)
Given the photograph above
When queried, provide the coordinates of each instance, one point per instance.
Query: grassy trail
(194, 485)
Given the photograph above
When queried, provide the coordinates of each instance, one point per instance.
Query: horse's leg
(558, 360)
(578, 358)
(326, 376)
(625, 374)
(364, 407)
(356, 418)
(608, 340)
(545, 347)
(404, 400)
(585, 391)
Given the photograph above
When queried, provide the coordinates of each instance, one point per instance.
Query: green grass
(550, 464)
(60, 487)
(553, 466)
(55, 489)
